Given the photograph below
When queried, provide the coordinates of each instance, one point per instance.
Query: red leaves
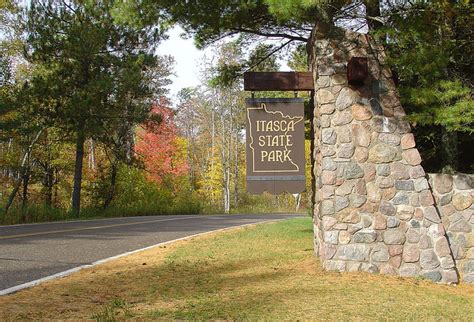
(161, 149)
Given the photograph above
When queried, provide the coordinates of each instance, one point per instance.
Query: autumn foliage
(160, 147)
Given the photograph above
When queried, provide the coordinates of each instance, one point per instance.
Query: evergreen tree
(93, 69)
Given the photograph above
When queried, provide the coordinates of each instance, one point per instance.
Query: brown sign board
(278, 81)
(275, 145)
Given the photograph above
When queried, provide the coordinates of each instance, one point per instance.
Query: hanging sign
(275, 145)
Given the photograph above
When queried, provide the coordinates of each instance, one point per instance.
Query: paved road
(31, 252)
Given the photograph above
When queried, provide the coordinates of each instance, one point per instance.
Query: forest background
(87, 130)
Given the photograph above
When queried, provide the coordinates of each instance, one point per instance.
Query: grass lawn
(263, 272)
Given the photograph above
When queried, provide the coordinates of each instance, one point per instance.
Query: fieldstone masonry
(374, 210)
(454, 197)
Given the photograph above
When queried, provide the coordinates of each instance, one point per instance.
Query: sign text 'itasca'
(275, 145)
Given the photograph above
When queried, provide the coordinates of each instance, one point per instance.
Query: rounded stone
(382, 169)
(409, 270)
(328, 222)
(361, 112)
(358, 200)
(442, 247)
(400, 171)
(408, 141)
(324, 96)
(383, 124)
(460, 226)
(443, 183)
(331, 237)
(346, 150)
(391, 139)
(426, 198)
(341, 203)
(327, 207)
(425, 242)
(417, 172)
(385, 182)
(393, 222)
(434, 275)
(333, 265)
(447, 262)
(464, 181)
(405, 212)
(462, 201)
(387, 208)
(360, 135)
(344, 237)
(328, 177)
(380, 253)
(345, 188)
(388, 193)
(327, 251)
(361, 154)
(328, 164)
(346, 98)
(406, 185)
(401, 198)
(338, 79)
(421, 184)
(341, 118)
(322, 81)
(352, 170)
(431, 214)
(354, 252)
(373, 192)
(380, 222)
(351, 218)
(382, 153)
(328, 136)
(412, 156)
(344, 134)
(411, 254)
(413, 236)
(394, 237)
(428, 259)
(364, 236)
(327, 109)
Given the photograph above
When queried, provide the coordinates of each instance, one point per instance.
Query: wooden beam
(278, 81)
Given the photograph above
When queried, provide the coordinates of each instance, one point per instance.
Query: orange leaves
(160, 147)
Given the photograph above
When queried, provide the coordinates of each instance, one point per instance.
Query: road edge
(68, 272)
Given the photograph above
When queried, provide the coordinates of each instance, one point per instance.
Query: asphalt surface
(31, 252)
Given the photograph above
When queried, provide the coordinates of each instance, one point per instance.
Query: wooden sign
(275, 145)
(278, 81)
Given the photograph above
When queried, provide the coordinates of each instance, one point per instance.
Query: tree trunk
(236, 174)
(76, 193)
(113, 185)
(24, 159)
(372, 9)
(92, 163)
(26, 181)
(49, 180)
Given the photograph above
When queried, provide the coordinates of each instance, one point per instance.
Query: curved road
(32, 252)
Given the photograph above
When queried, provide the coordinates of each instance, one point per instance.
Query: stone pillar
(373, 207)
(454, 198)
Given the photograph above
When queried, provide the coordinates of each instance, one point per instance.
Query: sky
(187, 58)
(188, 61)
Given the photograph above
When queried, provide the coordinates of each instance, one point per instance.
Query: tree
(93, 67)
(160, 147)
(431, 48)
